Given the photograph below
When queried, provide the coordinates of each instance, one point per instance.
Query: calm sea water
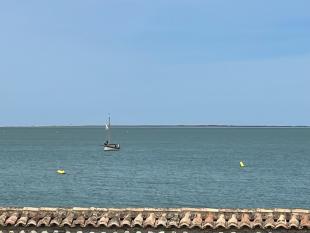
(156, 167)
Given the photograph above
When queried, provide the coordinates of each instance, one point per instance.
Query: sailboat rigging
(108, 146)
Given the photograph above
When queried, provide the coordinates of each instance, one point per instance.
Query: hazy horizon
(157, 125)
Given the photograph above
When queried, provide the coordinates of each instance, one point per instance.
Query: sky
(155, 62)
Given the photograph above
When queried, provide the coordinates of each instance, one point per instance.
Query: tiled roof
(199, 218)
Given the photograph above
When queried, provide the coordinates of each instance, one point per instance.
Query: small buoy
(61, 172)
(242, 164)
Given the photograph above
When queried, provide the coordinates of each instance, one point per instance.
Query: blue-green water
(156, 167)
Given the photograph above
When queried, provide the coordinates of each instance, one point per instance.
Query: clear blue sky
(155, 62)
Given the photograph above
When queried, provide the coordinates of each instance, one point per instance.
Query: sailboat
(108, 146)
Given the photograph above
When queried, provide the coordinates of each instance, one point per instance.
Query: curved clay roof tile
(245, 221)
(220, 222)
(269, 222)
(3, 217)
(209, 221)
(281, 222)
(45, 221)
(79, 221)
(305, 221)
(33, 222)
(233, 221)
(126, 221)
(103, 220)
(22, 221)
(12, 219)
(91, 221)
(258, 220)
(150, 220)
(293, 223)
(114, 222)
(173, 221)
(68, 220)
(57, 219)
(185, 221)
(138, 221)
(197, 221)
(162, 220)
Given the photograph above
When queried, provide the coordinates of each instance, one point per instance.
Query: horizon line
(161, 125)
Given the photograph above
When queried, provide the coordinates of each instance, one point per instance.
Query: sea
(156, 167)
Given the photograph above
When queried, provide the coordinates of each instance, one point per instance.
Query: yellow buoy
(61, 172)
(242, 164)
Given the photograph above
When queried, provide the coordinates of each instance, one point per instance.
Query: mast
(109, 131)
(109, 121)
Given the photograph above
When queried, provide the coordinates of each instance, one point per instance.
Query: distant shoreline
(162, 126)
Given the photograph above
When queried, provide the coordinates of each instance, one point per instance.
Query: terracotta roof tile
(269, 222)
(57, 218)
(22, 221)
(209, 221)
(305, 221)
(45, 221)
(281, 222)
(221, 221)
(12, 219)
(126, 222)
(258, 220)
(161, 221)
(173, 220)
(233, 221)
(245, 221)
(138, 220)
(34, 218)
(197, 221)
(79, 221)
(92, 220)
(3, 217)
(150, 220)
(68, 220)
(114, 221)
(185, 221)
(156, 218)
(293, 222)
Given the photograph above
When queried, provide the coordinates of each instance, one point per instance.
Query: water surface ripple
(156, 167)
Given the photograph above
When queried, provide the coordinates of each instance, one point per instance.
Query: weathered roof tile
(150, 220)
(281, 222)
(209, 221)
(114, 222)
(258, 220)
(220, 222)
(92, 220)
(161, 221)
(197, 221)
(45, 221)
(79, 221)
(186, 221)
(126, 221)
(269, 222)
(12, 219)
(68, 220)
(305, 221)
(3, 217)
(154, 218)
(138, 220)
(22, 221)
(233, 221)
(173, 220)
(293, 222)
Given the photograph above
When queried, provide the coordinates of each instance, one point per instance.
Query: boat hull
(111, 147)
